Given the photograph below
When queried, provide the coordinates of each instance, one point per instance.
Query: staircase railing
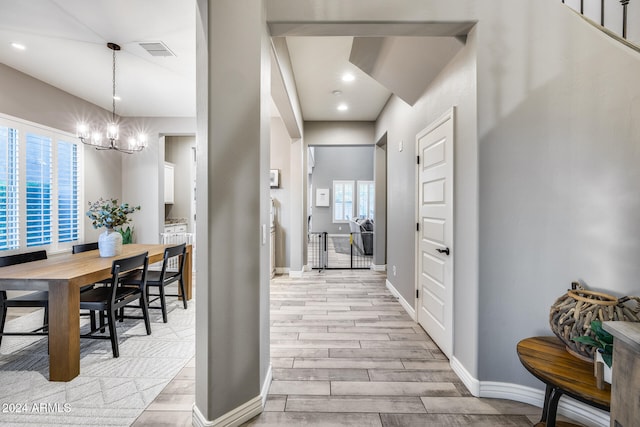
(612, 28)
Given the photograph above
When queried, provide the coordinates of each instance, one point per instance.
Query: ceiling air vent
(156, 49)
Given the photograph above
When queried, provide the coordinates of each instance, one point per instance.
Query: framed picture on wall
(322, 197)
(274, 178)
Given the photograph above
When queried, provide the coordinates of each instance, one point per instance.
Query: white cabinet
(175, 228)
(168, 183)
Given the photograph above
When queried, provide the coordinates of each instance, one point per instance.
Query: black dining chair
(84, 247)
(161, 278)
(38, 299)
(107, 300)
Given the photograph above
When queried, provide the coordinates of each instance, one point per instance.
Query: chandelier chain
(113, 81)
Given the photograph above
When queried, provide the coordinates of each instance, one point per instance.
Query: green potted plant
(602, 341)
(110, 214)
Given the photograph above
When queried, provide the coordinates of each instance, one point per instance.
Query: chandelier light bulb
(82, 131)
(112, 131)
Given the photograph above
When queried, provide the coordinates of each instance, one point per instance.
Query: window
(39, 187)
(342, 201)
(366, 199)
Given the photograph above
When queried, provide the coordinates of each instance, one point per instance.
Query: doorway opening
(341, 207)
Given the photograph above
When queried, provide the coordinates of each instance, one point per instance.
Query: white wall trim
(408, 307)
(233, 418)
(265, 387)
(472, 384)
(568, 407)
(242, 413)
(282, 270)
(382, 267)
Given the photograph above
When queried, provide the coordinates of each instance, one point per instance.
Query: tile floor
(345, 353)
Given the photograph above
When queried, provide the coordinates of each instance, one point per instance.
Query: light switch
(401, 145)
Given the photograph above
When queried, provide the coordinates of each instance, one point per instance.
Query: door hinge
(417, 293)
(417, 160)
(417, 226)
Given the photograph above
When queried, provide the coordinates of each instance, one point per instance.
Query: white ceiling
(318, 66)
(66, 47)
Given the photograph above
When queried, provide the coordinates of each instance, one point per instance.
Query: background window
(366, 199)
(342, 201)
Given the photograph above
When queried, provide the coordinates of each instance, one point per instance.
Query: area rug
(108, 391)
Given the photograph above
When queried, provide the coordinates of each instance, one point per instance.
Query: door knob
(443, 251)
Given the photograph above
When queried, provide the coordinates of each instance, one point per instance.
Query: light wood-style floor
(345, 353)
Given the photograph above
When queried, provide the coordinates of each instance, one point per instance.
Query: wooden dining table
(63, 275)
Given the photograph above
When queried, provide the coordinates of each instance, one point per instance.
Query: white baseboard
(472, 384)
(382, 267)
(568, 407)
(408, 307)
(282, 270)
(239, 415)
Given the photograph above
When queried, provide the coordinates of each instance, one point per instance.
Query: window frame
(24, 128)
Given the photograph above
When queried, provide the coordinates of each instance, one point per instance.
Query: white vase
(606, 369)
(110, 243)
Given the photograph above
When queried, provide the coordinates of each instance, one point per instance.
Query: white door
(435, 231)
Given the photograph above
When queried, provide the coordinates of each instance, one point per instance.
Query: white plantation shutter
(9, 201)
(40, 206)
(342, 201)
(38, 190)
(366, 199)
(68, 212)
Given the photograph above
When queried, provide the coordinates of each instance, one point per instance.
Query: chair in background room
(39, 299)
(165, 276)
(84, 247)
(107, 300)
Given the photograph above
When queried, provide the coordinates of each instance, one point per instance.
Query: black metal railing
(623, 3)
(340, 251)
(317, 250)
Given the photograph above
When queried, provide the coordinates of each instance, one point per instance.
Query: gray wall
(456, 86)
(338, 133)
(232, 346)
(380, 229)
(281, 160)
(338, 163)
(559, 170)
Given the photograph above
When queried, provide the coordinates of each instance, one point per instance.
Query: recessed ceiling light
(18, 46)
(343, 107)
(337, 92)
(348, 77)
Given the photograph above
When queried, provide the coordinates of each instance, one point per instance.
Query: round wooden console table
(548, 360)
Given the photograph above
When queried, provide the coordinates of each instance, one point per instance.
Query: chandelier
(94, 138)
